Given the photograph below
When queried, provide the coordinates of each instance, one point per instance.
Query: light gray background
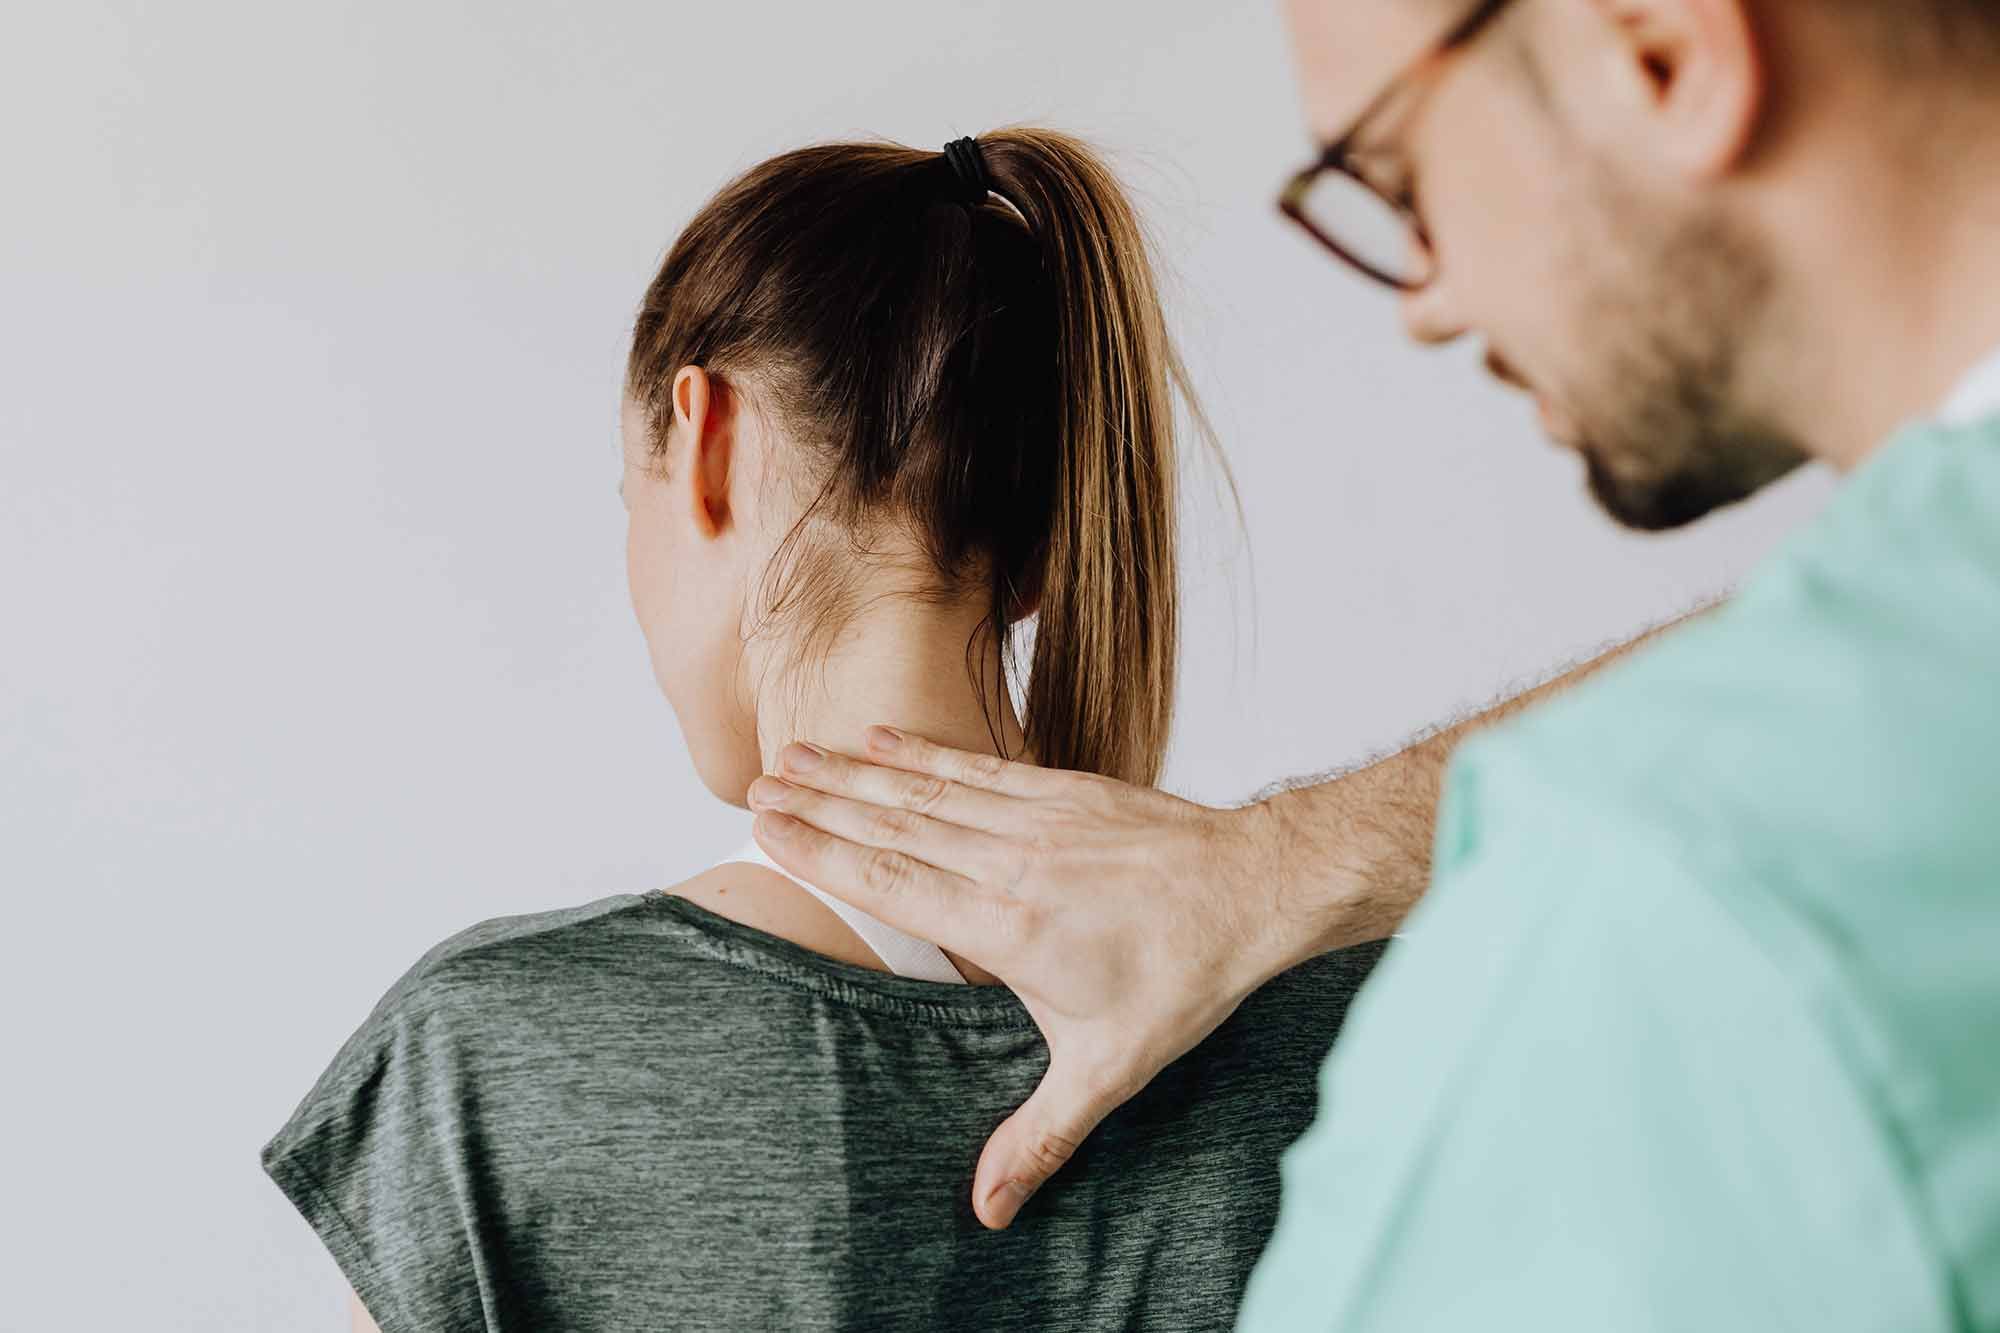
(316, 646)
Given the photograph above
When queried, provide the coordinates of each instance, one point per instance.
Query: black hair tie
(968, 169)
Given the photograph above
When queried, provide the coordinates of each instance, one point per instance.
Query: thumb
(1037, 1141)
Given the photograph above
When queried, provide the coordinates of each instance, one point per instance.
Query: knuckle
(891, 827)
(884, 872)
(926, 794)
(1050, 1151)
(985, 767)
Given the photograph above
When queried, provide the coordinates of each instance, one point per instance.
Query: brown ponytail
(1100, 689)
(995, 378)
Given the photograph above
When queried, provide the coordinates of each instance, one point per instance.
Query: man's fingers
(948, 846)
(891, 788)
(983, 772)
(1036, 1142)
(930, 903)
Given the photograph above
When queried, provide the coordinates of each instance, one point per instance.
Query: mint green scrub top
(1698, 1027)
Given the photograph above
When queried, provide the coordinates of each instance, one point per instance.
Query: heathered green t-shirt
(633, 1115)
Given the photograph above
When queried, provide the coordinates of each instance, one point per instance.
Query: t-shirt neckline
(951, 1003)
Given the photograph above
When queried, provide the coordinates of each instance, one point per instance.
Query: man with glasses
(1698, 1024)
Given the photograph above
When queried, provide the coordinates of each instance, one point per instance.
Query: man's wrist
(1339, 860)
(1347, 856)
(1302, 900)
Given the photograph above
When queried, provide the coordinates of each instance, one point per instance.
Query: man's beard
(1723, 469)
(1665, 438)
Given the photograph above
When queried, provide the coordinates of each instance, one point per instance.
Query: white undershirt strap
(905, 955)
(1977, 395)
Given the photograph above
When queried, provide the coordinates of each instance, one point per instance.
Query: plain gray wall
(316, 646)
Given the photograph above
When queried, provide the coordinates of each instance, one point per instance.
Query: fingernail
(769, 793)
(884, 738)
(800, 757)
(775, 827)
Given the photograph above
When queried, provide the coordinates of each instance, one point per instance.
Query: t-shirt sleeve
(373, 1158)
(1582, 1093)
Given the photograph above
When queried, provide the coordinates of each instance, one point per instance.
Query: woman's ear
(706, 413)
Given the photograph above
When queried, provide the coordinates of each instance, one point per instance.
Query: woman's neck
(902, 662)
(926, 668)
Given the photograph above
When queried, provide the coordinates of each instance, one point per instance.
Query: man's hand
(1129, 922)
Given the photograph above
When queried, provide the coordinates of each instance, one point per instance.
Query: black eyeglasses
(1373, 224)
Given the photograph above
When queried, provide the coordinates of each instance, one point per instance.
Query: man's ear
(705, 412)
(1701, 67)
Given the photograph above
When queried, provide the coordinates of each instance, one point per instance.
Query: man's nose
(1428, 316)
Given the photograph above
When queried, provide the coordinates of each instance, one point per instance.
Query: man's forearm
(1353, 849)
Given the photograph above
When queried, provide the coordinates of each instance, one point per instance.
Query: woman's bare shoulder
(761, 898)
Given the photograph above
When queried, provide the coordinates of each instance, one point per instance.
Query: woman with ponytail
(883, 407)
